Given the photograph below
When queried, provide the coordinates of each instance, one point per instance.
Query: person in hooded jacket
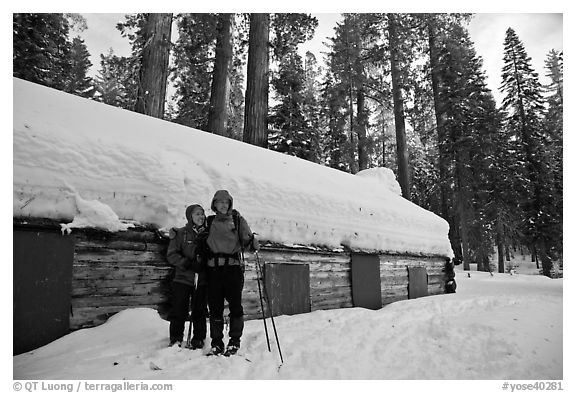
(227, 237)
(183, 256)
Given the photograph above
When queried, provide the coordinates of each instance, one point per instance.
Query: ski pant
(225, 283)
(181, 297)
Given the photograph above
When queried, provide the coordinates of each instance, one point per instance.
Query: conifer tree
(79, 82)
(311, 104)
(470, 123)
(335, 143)
(523, 104)
(116, 82)
(355, 58)
(553, 126)
(41, 48)
(193, 65)
(293, 134)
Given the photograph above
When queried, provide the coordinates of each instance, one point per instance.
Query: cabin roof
(97, 165)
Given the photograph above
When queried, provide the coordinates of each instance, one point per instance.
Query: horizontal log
(393, 281)
(93, 245)
(344, 303)
(126, 301)
(132, 235)
(436, 289)
(121, 273)
(393, 291)
(437, 279)
(323, 276)
(300, 257)
(117, 256)
(411, 259)
(82, 288)
(125, 264)
(393, 298)
(396, 273)
(315, 294)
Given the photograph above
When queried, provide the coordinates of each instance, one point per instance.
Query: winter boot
(217, 349)
(197, 343)
(233, 347)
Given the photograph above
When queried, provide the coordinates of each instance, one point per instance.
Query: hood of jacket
(190, 209)
(222, 195)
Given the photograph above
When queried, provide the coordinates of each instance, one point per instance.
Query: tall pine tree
(79, 82)
(292, 132)
(116, 82)
(523, 104)
(193, 66)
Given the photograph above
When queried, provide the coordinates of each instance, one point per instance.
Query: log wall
(394, 275)
(115, 271)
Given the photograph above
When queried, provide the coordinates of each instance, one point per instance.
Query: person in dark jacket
(228, 235)
(189, 284)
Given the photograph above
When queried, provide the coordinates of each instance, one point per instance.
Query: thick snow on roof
(101, 166)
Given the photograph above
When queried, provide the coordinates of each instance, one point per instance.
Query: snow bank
(73, 156)
(501, 327)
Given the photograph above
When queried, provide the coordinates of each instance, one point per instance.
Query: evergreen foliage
(193, 64)
(117, 81)
(44, 54)
(79, 82)
(292, 132)
(524, 107)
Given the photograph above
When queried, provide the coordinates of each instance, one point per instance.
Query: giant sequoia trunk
(401, 148)
(256, 107)
(153, 73)
(220, 93)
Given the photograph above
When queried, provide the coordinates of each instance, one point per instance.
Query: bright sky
(539, 32)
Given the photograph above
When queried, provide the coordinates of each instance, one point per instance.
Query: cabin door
(417, 282)
(288, 287)
(366, 291)
(42, 279)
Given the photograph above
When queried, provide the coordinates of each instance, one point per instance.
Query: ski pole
(258, 278)
(270, 308)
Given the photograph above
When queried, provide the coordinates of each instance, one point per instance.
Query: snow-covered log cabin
(96, 188)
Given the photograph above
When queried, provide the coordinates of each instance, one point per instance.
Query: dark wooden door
(417, 282)
(288, 287)
(366, 290)
(42, 279)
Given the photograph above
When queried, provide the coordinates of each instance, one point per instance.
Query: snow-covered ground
(501, 327)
